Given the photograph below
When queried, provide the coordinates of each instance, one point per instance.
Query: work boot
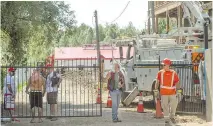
(117, 120)
(173, 120)
(167, 123)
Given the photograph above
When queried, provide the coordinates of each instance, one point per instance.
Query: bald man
(115, 84)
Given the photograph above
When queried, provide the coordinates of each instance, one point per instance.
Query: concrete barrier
(209, 97)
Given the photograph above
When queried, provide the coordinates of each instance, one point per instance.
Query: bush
(3, 75)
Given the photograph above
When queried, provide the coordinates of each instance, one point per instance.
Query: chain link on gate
(77, 93)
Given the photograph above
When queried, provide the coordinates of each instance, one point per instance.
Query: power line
(121, 12)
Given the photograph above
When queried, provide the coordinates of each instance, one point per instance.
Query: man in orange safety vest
(169, 82)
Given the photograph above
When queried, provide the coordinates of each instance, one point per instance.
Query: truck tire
(154, 98)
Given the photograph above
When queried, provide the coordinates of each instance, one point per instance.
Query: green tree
(24, 21)
(101, 32)
(130, 30)
(162, 26)
(83, 35)
(111, 32)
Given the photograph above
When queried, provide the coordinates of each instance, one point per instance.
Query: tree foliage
(85, 34)
(31, 28)
(162, 25)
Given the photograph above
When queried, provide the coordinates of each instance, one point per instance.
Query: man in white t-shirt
(52, 90)
(9, 91)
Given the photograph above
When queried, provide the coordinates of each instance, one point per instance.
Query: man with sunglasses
(168, 81)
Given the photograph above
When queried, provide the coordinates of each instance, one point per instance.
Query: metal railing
(77, 92)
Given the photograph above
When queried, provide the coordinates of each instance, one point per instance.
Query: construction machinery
(141, 68)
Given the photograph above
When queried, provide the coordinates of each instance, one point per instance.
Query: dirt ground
(129, 117)
(77, 97)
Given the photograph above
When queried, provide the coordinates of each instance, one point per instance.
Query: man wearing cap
(9, 90)
(169, 83)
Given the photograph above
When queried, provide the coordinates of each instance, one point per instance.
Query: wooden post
(156, 24)
(153, 16)
(98, 53)
(149, 17)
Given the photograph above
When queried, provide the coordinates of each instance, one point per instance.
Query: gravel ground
(128, 115)
(77, 97)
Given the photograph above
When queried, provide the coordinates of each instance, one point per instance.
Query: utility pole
(97, 37)
(153, 15)
(112, 53)
(148, 17)
(98, 55)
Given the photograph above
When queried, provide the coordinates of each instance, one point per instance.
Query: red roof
(66, 53)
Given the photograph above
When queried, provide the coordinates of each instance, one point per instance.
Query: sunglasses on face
(164, 65)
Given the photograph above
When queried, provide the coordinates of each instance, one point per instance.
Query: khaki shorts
(52, 97)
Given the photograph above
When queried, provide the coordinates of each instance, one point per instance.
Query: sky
(108, 10)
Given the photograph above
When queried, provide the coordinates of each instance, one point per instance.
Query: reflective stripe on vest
(167, 87)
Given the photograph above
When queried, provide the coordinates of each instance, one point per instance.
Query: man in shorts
(36, 83)
(52, 91)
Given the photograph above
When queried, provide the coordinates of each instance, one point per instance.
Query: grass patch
(21, 86)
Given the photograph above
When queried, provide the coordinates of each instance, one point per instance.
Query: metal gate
(77, 93)
(191, 100)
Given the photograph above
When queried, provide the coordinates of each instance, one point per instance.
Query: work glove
(156, 93)
(179, 94)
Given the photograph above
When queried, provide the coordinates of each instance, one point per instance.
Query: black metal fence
(192, 99)
(77, 93)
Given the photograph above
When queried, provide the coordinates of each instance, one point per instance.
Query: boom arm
(196, 9)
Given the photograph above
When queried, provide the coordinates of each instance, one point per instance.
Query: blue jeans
(116, 96)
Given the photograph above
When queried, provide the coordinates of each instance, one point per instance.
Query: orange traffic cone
(109, 101)
(98, 99)
(140, 107)
(159, 113)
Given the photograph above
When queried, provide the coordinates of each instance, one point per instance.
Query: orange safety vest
(167, 81)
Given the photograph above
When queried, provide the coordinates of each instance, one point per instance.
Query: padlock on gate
(180, 91)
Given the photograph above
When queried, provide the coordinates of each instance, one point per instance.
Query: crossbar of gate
(191, 101)
(76, 95)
